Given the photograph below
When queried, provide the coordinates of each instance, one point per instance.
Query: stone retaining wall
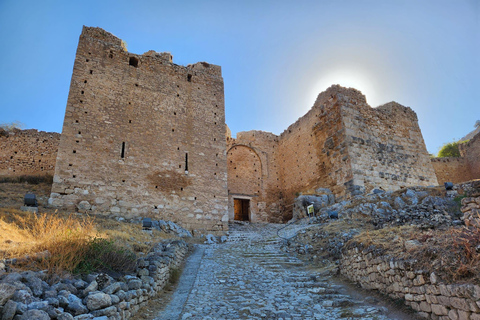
(27, 296)
(471, 209)
(421, 291)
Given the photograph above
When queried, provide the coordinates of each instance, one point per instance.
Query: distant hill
(473, 133)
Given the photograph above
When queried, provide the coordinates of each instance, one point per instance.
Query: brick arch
(244, 170)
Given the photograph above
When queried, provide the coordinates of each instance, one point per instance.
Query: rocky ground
(249, 277)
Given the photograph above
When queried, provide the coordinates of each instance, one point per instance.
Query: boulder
(6, 292)
(35, 315)
(99, 300)
(210, 239)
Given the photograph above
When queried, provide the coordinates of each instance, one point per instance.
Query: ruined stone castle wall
(451, 169)
(312, 150)
(341, 143)
(472, 153)
(143, 136)
(28, 152)
(460, 169)
(253, 174)
(386, 147)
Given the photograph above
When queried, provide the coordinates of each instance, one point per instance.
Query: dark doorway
(241, 208)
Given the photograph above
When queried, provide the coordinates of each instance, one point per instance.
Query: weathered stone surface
(75, 305)
(9, 310)
(439, 310)
(35, 315)
(98, 300)
(6, 292)
(336, 145)
(176, 149)
(28, 152)
(134, 284)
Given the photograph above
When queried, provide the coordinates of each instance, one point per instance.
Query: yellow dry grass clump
(65, 238)
(58, 242)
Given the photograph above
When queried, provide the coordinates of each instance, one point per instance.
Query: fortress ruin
(144, 137)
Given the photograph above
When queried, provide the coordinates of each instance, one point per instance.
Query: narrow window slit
(186, 162)
(123, 150)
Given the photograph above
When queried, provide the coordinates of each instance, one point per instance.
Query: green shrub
(105, 255)
(449, 150)
(174, 275)
(30, 179)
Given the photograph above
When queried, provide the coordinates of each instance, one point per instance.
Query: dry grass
(11, 194)
(452, 254)
(391, 239)
(57, 240)
(25, 234)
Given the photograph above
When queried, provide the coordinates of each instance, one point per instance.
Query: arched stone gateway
(244, 182)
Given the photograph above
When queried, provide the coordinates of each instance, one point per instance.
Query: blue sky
(276, 56)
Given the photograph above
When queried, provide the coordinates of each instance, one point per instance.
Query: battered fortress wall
(312, 150)
(143, 136)
(341, 143)
(28, 152)
(386, 147)
(460, 169)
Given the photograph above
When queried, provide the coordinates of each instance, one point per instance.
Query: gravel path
(248, 277)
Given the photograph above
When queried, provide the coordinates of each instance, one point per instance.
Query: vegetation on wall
(449, 150)
(12, 125)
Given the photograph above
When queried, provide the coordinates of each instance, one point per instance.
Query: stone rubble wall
(143, 137)
(27, 296)
(471, 205)
(28, 152)
(421, 291)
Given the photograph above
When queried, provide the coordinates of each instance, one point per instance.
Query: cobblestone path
(248, 277)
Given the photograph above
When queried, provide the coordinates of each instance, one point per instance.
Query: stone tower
(143, 137)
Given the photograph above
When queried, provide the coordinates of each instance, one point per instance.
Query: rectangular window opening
(186, 162)
(133, 61)
(123, 150)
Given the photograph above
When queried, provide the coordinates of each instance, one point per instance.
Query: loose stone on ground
(248, 277)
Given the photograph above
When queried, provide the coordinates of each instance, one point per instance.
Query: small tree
(449, 150)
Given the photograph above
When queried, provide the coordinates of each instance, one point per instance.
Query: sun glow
(348, 78)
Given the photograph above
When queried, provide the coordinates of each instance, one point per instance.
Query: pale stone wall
(28, 152)
(133, 124)
(386, 147)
